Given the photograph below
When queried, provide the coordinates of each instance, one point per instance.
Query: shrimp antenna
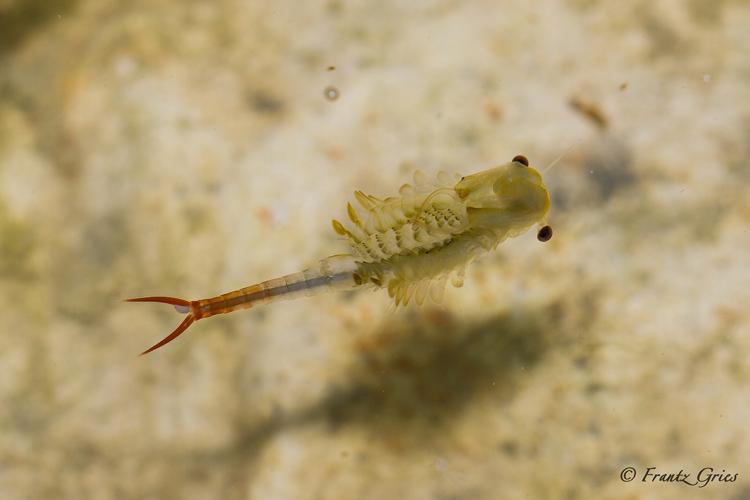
(560, 157)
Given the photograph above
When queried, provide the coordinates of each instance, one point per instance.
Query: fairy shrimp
(410, 244)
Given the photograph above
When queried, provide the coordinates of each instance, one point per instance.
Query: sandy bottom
(190, 148)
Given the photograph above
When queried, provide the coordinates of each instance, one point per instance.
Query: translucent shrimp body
(410, 245)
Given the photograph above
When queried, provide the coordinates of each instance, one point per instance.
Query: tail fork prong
(176, 333)
(182, 305)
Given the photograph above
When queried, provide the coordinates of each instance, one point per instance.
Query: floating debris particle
(263, 102)
(493, 111)
(623, 86)
(331, 68)
(590, 110)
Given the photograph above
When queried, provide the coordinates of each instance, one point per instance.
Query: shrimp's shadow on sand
(422, 370)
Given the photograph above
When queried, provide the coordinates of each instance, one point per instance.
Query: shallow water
(191, 148)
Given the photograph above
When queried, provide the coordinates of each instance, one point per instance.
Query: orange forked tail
(183, 306)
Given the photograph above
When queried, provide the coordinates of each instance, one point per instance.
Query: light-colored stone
(188, 148)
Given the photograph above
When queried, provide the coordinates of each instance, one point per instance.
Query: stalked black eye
(522, 160)
(544, 234)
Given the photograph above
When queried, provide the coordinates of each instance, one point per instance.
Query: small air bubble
(706, 78)
(331, 93)
(182, 309)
